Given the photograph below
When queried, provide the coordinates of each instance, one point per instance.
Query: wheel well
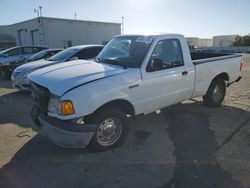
(224, 76)
(122, 104)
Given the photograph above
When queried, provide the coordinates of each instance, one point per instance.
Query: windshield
(39, 55)
(7, 50)
(127, 51)
(64, 55)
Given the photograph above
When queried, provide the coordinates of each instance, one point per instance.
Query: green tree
(242, 41)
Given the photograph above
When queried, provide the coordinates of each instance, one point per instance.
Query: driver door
(161, 85)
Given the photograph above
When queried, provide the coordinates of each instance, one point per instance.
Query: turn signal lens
(67, 108)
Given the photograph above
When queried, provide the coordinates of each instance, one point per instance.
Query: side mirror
(73, 58)
(156, 64)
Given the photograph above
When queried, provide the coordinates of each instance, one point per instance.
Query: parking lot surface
(188, 145)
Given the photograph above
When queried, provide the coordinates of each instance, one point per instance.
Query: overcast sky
(193, 18)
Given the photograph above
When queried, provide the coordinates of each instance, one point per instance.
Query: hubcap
(109, 131)
(217, 93)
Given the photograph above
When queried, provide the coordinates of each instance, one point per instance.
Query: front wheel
(111, 130)
(215, 94)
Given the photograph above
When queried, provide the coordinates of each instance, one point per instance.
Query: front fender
(95, 101)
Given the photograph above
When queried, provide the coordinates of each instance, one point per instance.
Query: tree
(242, 41)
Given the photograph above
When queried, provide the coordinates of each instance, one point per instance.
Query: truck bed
(208, 65)
(205, 57)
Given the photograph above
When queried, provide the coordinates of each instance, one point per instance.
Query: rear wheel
(215, 94)
(111, 131)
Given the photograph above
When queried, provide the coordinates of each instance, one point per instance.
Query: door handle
(184, 73)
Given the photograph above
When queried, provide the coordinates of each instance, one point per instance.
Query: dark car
(44, 54)
(15, 55)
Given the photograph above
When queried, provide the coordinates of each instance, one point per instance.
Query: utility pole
(38, 14)
(40, 8)
(122, 25)
(41, 24)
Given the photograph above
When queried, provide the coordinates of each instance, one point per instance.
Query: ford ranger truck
(88, 103)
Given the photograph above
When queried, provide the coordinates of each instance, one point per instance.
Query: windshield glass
(39, 55)
(127, 51)
(6, 50)
(64, 55)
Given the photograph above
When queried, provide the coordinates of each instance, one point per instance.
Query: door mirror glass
(156, 64)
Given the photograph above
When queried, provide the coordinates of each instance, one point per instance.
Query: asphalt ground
(188, 145)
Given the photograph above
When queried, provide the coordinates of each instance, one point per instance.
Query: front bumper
(63, 133)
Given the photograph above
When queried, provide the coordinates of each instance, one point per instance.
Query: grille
(40, 97)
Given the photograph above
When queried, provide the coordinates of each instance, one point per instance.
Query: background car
(15, 55)
(44, 54)
(19, 75)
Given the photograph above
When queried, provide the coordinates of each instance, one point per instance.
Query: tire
(215, 94)
(119, 128)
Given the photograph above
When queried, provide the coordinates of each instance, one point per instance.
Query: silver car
(11, 57)
(19, 76)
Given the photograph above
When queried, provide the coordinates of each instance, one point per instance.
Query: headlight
(64, 107)
(54, 104)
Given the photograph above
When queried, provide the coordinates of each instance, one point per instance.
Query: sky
(192, 18)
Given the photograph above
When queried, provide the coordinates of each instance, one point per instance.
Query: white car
(19, 76)
(87, 103)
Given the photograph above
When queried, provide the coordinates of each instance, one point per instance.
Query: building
(7, 41)
(199, 42)
(59, 33)
(205, 42)
(224, 40)
(193, 41)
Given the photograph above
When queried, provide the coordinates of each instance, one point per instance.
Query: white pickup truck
(82, 103)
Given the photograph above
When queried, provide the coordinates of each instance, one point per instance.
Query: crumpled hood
(34, 65)
(62, 77)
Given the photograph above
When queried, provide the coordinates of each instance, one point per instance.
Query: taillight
(241, 65)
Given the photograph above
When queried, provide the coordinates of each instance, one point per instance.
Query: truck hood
(62, 77)
(34, 65)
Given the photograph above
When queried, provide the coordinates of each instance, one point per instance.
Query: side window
(82, 54)
(13, 52)
(167, 54)
(27, 50)
(93, 52)
(88, 53)
(49, 54)
(35, 49)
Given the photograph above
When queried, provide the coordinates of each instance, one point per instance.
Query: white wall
(79, 32)
(223, 40)
(26, 28)
(56, 33)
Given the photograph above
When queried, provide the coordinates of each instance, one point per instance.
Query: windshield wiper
(114, 62)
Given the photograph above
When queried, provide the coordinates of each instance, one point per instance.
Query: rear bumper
(63, 133)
